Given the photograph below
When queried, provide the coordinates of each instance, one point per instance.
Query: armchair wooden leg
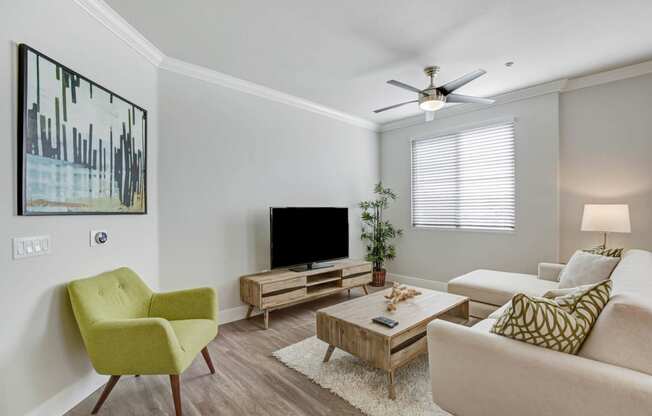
(176, 393)
(105, 393)
(207, 358)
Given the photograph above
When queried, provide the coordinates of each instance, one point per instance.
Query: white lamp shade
(612, 218)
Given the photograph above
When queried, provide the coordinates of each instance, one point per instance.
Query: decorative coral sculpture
(399, 294)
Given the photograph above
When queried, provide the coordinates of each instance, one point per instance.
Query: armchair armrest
(509, 377)
(134, 346)
(198, 303)
(550, 271)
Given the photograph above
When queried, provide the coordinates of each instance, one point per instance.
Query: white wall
(440, 255)
(42, 357)
(606, 157)
(225, 158)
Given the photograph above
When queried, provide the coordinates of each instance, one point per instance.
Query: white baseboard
(234, 314)
(416, 281)
(67, 398)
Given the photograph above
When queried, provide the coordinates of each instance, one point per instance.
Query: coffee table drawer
(283, 297)
(356, 280)
(284, 284)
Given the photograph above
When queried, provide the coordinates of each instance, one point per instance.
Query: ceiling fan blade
(403, 85)
(394, 106)
(458, 98)
(430, 115)
(461, 81)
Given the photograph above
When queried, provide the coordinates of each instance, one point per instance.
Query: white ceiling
(339, 53)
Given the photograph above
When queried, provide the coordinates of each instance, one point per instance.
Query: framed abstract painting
(82, 149)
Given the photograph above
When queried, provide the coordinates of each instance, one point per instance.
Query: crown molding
(108, 17)
(618, 74)
(553, 87)
(228, 81)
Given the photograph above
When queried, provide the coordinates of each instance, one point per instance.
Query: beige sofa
(474, 372)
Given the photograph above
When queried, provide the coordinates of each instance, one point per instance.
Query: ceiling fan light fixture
(431, 105)
(431, 99)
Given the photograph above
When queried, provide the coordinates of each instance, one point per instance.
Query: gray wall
(439, 255)
(225, 158)
(41, 353)
(606, 157)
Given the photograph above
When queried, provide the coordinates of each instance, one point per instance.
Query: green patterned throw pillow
(603, 251)
(560, 324)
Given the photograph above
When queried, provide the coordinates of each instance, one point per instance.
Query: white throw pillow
(586, 268)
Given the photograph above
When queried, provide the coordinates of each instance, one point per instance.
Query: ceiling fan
(433, 98)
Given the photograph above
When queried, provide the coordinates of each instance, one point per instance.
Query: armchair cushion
(193, 335)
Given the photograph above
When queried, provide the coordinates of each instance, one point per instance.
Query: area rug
(361, 385)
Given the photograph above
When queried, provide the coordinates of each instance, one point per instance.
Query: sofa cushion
(622, 335)
(633, 274)
(586, 268)
(561, 324)
(484, 326)
(496, 288)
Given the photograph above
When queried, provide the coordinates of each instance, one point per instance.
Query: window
(465, 180)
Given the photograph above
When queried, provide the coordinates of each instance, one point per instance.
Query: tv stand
(311, 266)
(280, 288)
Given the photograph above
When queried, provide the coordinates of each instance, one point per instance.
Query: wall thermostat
(99, 237)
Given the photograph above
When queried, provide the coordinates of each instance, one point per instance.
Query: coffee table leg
(329, 352)
(391, 386)
(266, 318)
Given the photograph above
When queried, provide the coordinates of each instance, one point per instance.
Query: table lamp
(606, 218)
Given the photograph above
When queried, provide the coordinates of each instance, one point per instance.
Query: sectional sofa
(475, 372)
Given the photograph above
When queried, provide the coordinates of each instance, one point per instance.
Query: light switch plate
(31, 246)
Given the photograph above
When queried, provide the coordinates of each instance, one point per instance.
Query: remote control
(390, 323)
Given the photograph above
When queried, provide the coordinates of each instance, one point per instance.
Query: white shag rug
(361, 385)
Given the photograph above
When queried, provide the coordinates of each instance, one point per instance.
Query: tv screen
(307, 235)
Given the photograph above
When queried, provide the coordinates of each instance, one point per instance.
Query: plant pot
(378, 278)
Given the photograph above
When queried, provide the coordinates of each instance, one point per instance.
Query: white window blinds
(465, 180)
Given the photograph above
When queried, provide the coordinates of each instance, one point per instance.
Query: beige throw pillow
(586, 268)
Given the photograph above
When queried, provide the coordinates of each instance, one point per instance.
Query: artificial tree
(378, 233)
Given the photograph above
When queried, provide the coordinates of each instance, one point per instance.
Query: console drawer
(362, 279)
(356, 270)
(284, 284)
(283, 297)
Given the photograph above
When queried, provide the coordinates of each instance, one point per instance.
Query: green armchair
(129, 330)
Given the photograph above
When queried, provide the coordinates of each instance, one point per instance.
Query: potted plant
(378, 233)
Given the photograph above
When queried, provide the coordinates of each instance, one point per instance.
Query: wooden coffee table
(348, 326)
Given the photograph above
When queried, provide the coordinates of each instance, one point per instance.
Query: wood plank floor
(248, 380)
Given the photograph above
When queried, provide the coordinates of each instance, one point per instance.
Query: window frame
(457, 129)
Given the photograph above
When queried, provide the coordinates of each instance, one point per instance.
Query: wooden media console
(280, 288)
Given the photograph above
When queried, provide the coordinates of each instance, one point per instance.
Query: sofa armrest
(508, 377)
(134, 346)
(550, 271)
(200, 303)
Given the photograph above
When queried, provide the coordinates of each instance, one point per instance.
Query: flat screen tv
(305, 236)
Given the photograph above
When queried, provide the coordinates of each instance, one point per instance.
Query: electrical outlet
(98, 238)
(31, 246)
